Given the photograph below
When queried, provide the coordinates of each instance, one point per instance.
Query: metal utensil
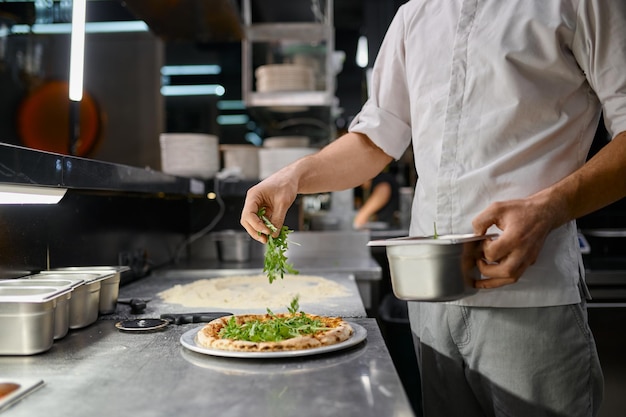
(137, 305)
(150, 324)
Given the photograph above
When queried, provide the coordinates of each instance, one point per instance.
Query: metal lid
(26, 282)
(30, 294)
(431, 240)
(87, 277)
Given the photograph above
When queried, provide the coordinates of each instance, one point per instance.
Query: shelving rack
(273, 42)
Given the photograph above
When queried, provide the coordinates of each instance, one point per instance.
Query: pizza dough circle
(253, 292)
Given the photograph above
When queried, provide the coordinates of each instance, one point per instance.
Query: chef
(500, 100)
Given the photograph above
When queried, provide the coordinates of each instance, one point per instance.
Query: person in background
(500, 100)
(377, 200)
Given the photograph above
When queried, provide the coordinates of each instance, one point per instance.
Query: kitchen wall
(122, 74)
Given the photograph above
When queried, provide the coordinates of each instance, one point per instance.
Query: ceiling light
(362, 55)
(193, 90)
(77, 49)
(191, 70)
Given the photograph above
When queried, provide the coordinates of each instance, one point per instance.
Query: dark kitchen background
(123, 83)
(123, 70)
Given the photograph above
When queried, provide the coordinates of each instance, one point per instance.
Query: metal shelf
(274, 32)
(282, 38)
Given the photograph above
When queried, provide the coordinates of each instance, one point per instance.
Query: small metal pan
(152, 324)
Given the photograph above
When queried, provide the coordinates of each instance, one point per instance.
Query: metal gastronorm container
(62, 309)
(27, 319)
(110, 286)
(85, 302)
(433, 269)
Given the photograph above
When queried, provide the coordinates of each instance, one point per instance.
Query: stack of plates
(190, 154)
(284, 77)
(273, 159)
(286, 142)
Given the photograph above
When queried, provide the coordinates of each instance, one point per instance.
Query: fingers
(483, 221)
(494, 282)
(499, 272)
(255, 227)
(253, 224)
(250, 220)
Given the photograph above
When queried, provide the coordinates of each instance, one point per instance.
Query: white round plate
(188, 340)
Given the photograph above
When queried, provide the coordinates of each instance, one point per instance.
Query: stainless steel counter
(100, 371)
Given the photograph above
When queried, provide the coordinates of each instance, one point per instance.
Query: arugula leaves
(273, 329)
(275, 262)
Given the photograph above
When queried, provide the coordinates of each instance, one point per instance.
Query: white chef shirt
(500, 99)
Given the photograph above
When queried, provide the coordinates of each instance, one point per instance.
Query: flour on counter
(253, 291)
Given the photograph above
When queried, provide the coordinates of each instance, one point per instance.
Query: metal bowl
(433, 269)
(232, 245)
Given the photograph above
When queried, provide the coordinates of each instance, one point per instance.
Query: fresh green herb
(274, 328)
(435, 236)
(275, 263)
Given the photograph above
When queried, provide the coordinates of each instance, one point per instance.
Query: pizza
(273, 332)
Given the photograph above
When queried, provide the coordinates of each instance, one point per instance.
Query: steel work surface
(101, 371)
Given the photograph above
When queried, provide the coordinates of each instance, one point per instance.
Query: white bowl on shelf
(190, 154)
(286, 142)
(273, 159)
(284, 77)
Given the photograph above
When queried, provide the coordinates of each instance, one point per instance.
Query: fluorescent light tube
(191, 70)
(77, 50)
(90, 27)
(362, 54)
(193, 90)
(30, 194)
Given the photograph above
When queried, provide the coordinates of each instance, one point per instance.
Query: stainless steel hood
(196, 20)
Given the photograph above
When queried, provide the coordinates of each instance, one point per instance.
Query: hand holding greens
(275, 262)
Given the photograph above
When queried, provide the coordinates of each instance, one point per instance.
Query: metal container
(433, 269)
(232, 245)
(85, 302)
(27, 319)
(62, 308)
(109, 291)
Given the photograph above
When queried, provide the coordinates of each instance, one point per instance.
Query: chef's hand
(276, 193)
(525, 224)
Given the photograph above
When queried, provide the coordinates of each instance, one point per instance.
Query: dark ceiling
(348, 14)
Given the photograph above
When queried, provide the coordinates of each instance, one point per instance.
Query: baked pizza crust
(337, 332)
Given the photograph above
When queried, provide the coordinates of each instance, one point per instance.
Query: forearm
(598, 183)
(345, 163)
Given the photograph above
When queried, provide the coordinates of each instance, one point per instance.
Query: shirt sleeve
(600, 48)
(385, 117)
